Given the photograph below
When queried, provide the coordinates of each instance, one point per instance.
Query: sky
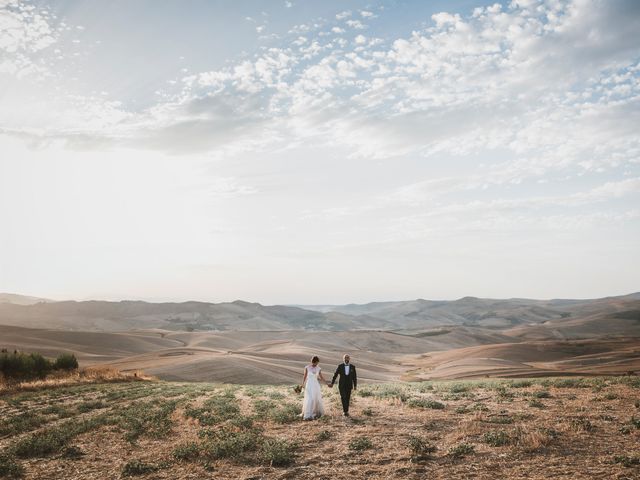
(307, 152)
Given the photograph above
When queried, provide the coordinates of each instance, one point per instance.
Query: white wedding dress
(312, 406)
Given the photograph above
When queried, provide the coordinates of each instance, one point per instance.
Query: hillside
(21, 299)
(482, 312)
(242, 342)
(411, 316)
(186, 316)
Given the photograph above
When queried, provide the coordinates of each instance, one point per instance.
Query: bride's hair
(315, 359)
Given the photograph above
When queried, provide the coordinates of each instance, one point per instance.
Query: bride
(312, 406)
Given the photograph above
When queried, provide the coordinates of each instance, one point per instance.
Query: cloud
(24, 32)
(553, 86)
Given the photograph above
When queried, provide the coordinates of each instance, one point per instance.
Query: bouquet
(297, 389)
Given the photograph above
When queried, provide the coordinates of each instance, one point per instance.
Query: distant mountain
(21, 299)
(186, 316)
(531, 319)
(482, 312)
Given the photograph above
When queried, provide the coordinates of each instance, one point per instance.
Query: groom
(348, 381)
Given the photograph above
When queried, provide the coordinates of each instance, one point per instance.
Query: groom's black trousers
(345, 396)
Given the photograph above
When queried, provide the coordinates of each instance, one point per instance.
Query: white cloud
(463, 85)
(356, 24)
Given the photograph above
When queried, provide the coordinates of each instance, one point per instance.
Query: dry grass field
(527, 428)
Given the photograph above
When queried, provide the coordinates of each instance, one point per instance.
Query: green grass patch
(9, 467)
(627, 460)
(239, 446)
(324, 435)
(150, 418)
(278, 453)
(497, 438)
(186, 452)
(541, 394)
(85, 407)
(360, 444)
(24, 422)
(537, 404)
(53, 440)
(138, 467)
(286, 413)
(425, 403)
(461, 450)
(419, 446)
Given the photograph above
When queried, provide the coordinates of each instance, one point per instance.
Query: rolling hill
(242, 342)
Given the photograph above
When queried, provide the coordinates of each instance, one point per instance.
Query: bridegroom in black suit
(348, 381)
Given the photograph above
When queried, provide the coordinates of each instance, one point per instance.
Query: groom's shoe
(346, 414)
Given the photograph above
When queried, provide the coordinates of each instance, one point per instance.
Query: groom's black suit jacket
(346, 382)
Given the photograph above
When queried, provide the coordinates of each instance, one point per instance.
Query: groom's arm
(355, 377)
(335, 375)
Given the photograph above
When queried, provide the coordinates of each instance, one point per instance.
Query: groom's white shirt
(346, 368)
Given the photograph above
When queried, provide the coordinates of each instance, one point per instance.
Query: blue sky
(319, 152)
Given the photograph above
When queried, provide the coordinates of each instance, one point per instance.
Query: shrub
(23, 366)
(66, 361)
(360, 443)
